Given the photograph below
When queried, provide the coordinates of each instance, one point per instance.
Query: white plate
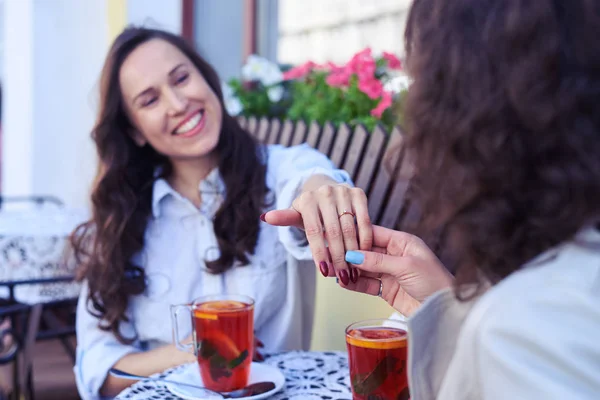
(190, 374)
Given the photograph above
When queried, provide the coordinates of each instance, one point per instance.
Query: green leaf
(238, 360)
(366, 384)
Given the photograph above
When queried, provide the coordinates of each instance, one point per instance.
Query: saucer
(190, 373)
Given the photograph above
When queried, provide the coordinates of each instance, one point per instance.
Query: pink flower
(299, 72)
(361, 60)
(371, 87)
(366, 69)
(339, 77)
(384, 104)
(392, 60)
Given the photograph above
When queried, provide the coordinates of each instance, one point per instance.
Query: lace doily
(309, 375)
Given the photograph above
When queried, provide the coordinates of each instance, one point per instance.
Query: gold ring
(346, 212)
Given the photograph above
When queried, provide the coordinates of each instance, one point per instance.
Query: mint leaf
(365, 384)
(238, 360)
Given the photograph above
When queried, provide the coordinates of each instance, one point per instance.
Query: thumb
(288, 217)
(377, 262)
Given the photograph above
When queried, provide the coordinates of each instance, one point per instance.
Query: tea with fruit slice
(225, 339)
(377, 352)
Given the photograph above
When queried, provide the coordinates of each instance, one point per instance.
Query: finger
(313, 227)
(258, 357)
(367, 285)
(363, 221)
(378, 262)
(288, 217)
(333, 233)
(383, 236)
(376, 249)
(347, 225)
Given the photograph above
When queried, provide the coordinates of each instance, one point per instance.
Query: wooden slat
(372, 159)
(398, 196)
(274, 130)
(299, 134)
(355, 151)
(342, 138)
(252, 125)
(326, 138)
(286, 133)
(263, 129)
(383, 179)
(411, 217)
(314, 133)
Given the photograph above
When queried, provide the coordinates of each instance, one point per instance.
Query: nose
(177, 102)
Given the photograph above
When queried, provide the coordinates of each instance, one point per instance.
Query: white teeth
(191, 124)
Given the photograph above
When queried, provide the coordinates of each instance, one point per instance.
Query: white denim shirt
(535, 335)
(178, 239)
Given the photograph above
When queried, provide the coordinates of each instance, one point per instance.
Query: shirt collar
(212, 188)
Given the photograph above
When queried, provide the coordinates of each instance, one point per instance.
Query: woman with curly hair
(177, 210)
(504, 115)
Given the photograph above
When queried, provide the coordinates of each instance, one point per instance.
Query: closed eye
(182, 78)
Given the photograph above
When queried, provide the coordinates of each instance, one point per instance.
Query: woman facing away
(504, 115)
(176, 215)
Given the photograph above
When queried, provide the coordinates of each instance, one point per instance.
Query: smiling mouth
(191, 125)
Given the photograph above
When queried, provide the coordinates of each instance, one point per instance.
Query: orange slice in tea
(210, 310)
(225, 346)
(377, 338)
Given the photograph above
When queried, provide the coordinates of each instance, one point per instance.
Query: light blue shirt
(178, 239)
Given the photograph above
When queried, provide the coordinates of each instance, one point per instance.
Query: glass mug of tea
(377, 354)
(223, 339)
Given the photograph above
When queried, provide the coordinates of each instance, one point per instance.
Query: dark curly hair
(122, 196)
(504, 126)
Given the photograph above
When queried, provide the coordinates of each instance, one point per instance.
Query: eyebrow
(149, 89)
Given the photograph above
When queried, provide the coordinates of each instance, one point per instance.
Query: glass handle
(175, 310)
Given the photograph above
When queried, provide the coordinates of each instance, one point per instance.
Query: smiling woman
(177, 209)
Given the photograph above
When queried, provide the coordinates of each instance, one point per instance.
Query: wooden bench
(374, 161)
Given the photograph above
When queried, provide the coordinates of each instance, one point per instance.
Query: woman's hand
(335, 219)
(257, 344)
(401, 269)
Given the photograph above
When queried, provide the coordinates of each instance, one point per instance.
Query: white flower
(398, 84)
(260, 69)
(233, 105)
(275, 93)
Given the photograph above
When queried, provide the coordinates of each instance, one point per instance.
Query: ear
(138, 138)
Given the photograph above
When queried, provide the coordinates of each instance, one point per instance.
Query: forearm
(145, 364)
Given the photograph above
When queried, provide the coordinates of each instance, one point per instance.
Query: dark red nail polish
(354, 275)
(262, 217)
(323, 268)
(344, 277)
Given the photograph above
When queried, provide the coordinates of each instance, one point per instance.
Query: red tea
(377, 357)
(225, 336)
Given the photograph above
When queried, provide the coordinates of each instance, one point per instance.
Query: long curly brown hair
(122, 196)
(504, 126)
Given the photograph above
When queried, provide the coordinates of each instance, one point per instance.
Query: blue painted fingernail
(355, 257)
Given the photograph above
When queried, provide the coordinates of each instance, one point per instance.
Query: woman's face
(169, 102)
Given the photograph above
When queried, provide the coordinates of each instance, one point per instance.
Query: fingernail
(323, 268)
(262, 217)
(344, 277)
(354, 257)
(337, 280)
(354, 275)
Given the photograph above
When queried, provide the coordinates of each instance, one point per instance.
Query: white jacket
(535, 335)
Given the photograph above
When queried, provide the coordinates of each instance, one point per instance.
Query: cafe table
(308, 375)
